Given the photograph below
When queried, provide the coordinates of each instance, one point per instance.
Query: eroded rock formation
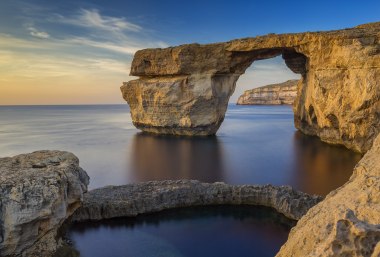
(274, 94)
(347, 222)
(38, 192)
(184, 90)
(131, 200)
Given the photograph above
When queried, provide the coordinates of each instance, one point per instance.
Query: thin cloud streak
(37, 66)
(127, 48)
(38, 34)
(93, 19)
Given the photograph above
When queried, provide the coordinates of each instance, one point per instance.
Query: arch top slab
(184, 90)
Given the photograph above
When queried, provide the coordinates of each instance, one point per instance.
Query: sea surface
(255, 145)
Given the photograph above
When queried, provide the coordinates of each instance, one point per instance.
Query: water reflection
(199, 231)
(319, 166)
(166, 157)
(255, 145)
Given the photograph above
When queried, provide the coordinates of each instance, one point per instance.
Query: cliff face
(347, 222)
(282, 93)
(38, 192)
(184, 90)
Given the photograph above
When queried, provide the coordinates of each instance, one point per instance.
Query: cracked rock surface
(38, 192)
(347, 222)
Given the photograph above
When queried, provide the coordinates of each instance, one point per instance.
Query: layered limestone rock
(184, 90)
(274, 94)
(347, 222)
(131, 200)
(38, 192)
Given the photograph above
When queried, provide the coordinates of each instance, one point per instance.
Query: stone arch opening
(296, 62)
(241, 61)
(264, 78)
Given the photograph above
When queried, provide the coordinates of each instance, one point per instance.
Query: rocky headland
(38, 192)
(184, 90)
(274, 94)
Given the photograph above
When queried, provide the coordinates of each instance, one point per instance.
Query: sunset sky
(79, 52)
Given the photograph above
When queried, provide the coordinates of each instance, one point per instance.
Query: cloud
(38, 34)
(88, 56)
(37, 66)
(126, 48)
(105, 32)
(93, 19)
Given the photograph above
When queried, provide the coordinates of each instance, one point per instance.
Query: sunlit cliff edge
(274, 94)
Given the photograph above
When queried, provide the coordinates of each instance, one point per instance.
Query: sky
(80, 51)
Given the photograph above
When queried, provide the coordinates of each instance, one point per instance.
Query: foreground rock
(38, 192)
(347, 222)
(184, 90)
(274, 94)
(131, 200)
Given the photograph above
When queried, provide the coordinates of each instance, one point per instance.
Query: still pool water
(221, 231)
(255, 145)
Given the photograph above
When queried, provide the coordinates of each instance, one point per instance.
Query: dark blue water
(255, 145)
(221, 231)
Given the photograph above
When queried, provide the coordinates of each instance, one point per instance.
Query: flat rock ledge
(134, 199)
(38, 192)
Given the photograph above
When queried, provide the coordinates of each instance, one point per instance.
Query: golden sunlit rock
(347, 222)
(184, 90)
(282, 93)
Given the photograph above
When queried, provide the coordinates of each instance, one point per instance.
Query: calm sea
(255, 145)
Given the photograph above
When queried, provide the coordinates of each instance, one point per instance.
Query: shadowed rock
(131, 200)
(184, 90)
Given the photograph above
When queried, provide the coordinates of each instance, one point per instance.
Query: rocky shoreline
(274, 94)
(134, 199)
(39, 191)
(43, 190)
(347, 221)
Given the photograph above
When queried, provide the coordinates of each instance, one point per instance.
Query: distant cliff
(283, 93)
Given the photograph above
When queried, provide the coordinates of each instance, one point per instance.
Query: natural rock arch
(184, 90)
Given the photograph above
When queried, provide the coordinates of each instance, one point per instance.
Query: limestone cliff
(38, 192)
(184, 90)
(274, 94)
(347, 222)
